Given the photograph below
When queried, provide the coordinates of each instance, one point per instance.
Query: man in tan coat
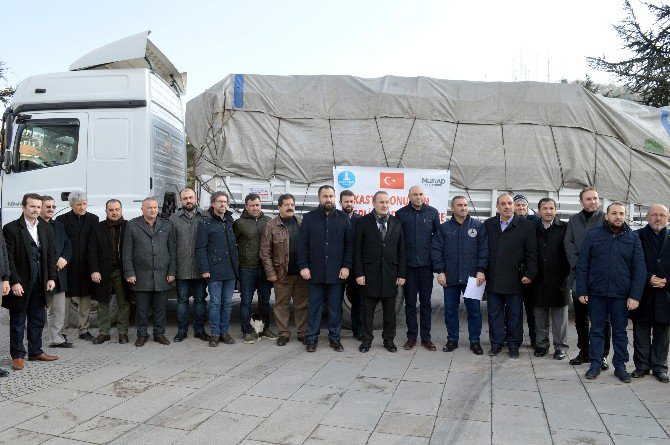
(278, 251)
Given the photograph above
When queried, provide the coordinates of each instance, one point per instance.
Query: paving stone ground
(188, 393)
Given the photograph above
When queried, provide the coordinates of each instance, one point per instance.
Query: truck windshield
(46, 143)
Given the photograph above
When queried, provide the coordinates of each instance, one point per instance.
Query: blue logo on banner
(346, 179)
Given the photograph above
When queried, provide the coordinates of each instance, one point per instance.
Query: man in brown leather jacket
(278, 252)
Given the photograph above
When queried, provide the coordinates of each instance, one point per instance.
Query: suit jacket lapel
(375, 229)
(27, 239)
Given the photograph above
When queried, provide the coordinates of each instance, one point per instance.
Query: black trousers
(650, 345)
(35, 315)
(529, 306)
(582, 325)
(388, 307)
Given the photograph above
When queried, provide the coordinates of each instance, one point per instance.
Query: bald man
(651, 320)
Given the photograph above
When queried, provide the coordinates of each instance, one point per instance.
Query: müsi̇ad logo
(433, 182)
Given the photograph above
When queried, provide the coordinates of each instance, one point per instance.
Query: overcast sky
(449, 39)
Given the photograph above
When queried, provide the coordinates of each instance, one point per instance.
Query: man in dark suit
(32, 266)
(512, 263)
(380, 267)
(325, 257)
(78, 225)
(651, 320)
(106, 265)
(353, 290)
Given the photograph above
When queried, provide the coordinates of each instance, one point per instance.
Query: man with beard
(248, 230)
(104, 258)
(419, 222)
(189, 282)
(610, 277)
(579, 225)
(279, 254)
(353, 290)
(651, 320)
(325, 256)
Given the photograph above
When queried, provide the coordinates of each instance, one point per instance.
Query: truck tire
(379, 321)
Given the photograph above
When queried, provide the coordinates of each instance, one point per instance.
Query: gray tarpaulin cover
(490, 135)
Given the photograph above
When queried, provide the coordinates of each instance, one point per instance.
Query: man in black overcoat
(380, 267)
(651, 320)
(32, 266)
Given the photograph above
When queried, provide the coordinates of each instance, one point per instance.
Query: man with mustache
(610, 277)
(279, 254)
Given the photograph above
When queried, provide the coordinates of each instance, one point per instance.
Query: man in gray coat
(149, 265)
(579, 224)
(189, 282)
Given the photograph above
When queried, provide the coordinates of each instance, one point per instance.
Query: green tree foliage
(7, 91)
(647, 71)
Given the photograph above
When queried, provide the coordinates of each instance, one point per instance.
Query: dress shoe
(302, 339)
(336, 345)
(100, 339)
(3, 372)
(311, 345)
(533, 344)
(214, 341)
(180, 337)
(662, 377)
(17, 364)
(540, 352)
(204, 336)
(86, 336)
(428, 345)
(592, 373)
(559, 354)
(390, 346)
(358, 336)
(622, 375)
(409, 344)
(604, 366)
(513, 353)
(162, 340)
(476, 348)
(226, 339)
(43, 358)
(450, 346)
(495, 350)
(364, 347)
(639, 373)
(281, 341)
(141, 341)
(65, 344)
(580, 359)
(123, 339)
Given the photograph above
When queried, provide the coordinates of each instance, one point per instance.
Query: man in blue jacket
(325, 258)
(419, 223)
(216, 252)
(459, 251)
(610, 277)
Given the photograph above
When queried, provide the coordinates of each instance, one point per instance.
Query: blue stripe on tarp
(238, 95)
(664, 120)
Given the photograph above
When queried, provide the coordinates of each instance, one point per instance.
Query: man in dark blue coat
(419, 222)
(651, 320)
(353, 290)
(459, 251)
(56, 298)
(610, 277)
(325, 259)
(512, 264)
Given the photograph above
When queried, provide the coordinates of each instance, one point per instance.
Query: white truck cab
(112, 127)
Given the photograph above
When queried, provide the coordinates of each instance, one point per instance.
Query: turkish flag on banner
(391, 180)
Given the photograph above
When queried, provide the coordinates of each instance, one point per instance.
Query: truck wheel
(379, 316)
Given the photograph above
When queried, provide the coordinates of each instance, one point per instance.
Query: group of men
(522, 260)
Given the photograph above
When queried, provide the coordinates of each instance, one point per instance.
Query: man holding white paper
(460, 252)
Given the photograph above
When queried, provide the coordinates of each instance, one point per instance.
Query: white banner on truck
(365, 181)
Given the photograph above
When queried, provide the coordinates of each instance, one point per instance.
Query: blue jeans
(220, 305)
(617, 309)
(254, 280)
(158, 300)
(452, 300)
(36, 315)
(186, 289)
(500, 305)
(332, 293)
(419, 280)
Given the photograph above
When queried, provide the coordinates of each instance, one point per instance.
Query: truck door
(49, 158)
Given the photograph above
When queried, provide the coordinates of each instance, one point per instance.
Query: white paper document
(473, 291)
